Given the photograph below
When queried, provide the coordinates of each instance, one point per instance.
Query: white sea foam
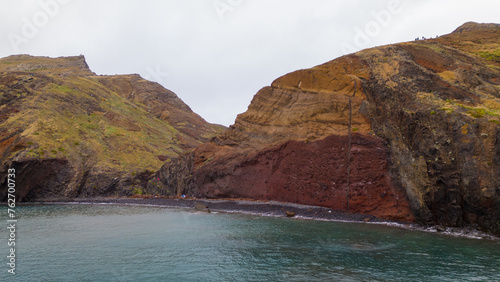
(450, 231)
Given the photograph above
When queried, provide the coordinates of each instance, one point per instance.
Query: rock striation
(70, 133)
(407, 131)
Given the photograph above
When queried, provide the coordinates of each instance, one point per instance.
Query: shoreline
(270, 208)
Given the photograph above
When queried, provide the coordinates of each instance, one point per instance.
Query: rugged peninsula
(408, 132)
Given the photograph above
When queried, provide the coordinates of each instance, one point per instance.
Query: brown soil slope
(408, 131)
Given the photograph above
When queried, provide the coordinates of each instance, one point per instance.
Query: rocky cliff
(408, 131)
(71, 133)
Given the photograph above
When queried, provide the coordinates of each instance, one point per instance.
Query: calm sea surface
(133, 243)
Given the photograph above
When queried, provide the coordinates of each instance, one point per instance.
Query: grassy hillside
(59, 109)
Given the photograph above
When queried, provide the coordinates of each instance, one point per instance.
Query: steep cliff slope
(407, 131)
(70, 133)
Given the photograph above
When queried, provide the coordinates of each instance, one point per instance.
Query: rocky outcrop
(407, 131)
(59, 67)
(69, 133)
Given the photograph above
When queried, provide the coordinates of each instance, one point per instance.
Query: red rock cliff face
(425, 136)
(314, 173)
(292, 145)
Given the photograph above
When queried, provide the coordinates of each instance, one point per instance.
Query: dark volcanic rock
(312, 173)
(32, 176)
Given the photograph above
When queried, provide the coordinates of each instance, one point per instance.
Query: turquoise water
(133, 243)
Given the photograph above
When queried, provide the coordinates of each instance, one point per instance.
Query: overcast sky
(216, 54)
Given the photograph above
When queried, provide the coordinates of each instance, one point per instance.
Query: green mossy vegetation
(433, 46)
(80, 119)
(490, 55)
(489, 108)
(477, 113)
(137, 191)
(447, 110)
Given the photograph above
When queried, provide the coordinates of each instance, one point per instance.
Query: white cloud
(216, 65)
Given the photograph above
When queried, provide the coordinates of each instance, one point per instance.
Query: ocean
(80, 242)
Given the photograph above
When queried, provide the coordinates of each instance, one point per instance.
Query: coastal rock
(440, 228)
(407, 131)
(202, 207)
